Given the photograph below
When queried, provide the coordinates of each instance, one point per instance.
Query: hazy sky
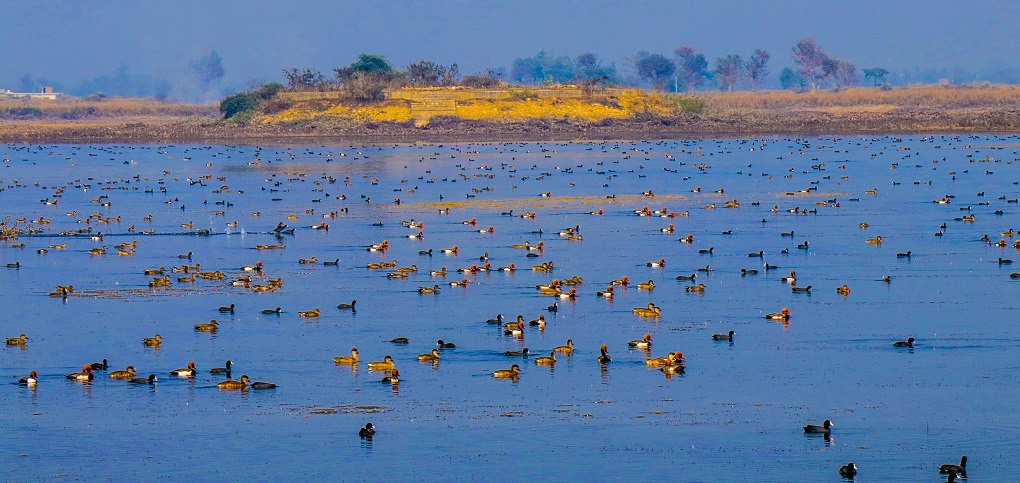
(70, 41)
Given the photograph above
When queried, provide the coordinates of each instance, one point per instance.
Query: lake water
(736, 413)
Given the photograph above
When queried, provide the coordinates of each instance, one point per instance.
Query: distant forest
(684, 69)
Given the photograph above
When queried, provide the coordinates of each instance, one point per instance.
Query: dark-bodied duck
(445, 345)
(848, 470)
(260, 385)
(189, 371)
(521, 353)
(825, 428)
(497, 320)
(143, 380)
(801, 289)
(349, 306)
(351, 359)
(227, 309)
(512, 373)
(604, 356)
(221, 370)
(903, 254)
(905, 343)
(100, 365)
(399, 340)
(782, 315)
(276, 311)
(744, 272)
(231, 384)
(127, 373)
(728, 337)
(686, 277)
(384, 365)
(960, 469)
(30, 380)
(642, 343)
(367, 432)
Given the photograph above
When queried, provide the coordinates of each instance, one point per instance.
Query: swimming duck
(153, 271)
(567, 349)
(86, 374)
(875, 241)
(438, 273)
(604, 356)
(646, 286)
(709, 250)
(347, 306)
(143, 380)
(259, 385)
(30, 380)
(307, 261)
(445, 345)
(844, 290)
(667, 230)
(521, 353)
(555, 307)
(801, 289)
(673, 365)
(1003, 261)
(272, 311)
(19, 340)
(227, 309)
(233, 385)
(152, 341)
(430, 357)
(568, 295)
(399, 340)
(759, 254)
(434, 289)
(699, 288)
(461, 283)
(546, 360)
(512, 373)
(903, 255)
(659, 264)
(100, 365)
(367, 432)
(905, 343)
(642, 343)
(452, 250)
(782, 315)
(686, 277)
(127, 373)
(803, 246)
(221, 370)
(393, 378)
(189, 371)
(497, 320)
(508, 268)
(385, 364)
(210, 327)
(252, 268)
(792, 278)
(540, 321)
(848, 470)
(607, 293)
(728, 337)
(960, 469)
(650, 311)
(659, 361)
(708, 268)
(744, 271)
(308, 313)
(351, 359)
(825, 428)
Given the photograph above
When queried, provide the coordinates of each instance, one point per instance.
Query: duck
(433, 289)
(649, 311)
(154, 341)
(844, 290)
(673, 365)
(347, 306)
(189, 371)
(86, 374)
(260, 385)
(252, 268)
(659, 264)
(367, 432)
(221, 370)
(555, 307)
(445, 345)
(622, 281)
(875, 241)
(143, 380)
(546, 360)
(567, 349)
(759, 254)
(801, 289)
(512, 373)
(707, 269)
(399, 340)
(608, 293)
(307, 261)
(497, 320)
(905, 343)
(709, 250)
(427, 253)
(19, 340)
(960, 469)
(308, 313)
(30, 380)
(568, 295)
(127, 373)
(521, 353)
(604, 355)
(385, 364)
(227, 309)
(744, 271)
(791, 278)
(1004, 261)
(659, 361)
(461, 283)
(272, 311)
(642, 343)
(825, 428)
(686, 277)
(393, 378)
(351, 359)
(231, 384)
(781, 315)
(508, 268)
(728, 336)
(515, 329)
(803, 246)
(646, 286)
(430, 357)
(903, 255)
(540, 321)
(699, 288)
(210, 327)
(848, 470)
(451, 250)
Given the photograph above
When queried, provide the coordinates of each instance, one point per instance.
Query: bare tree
(692, 67)
(757, 68)
(207, 69)
(729, 70)
(846, 74)
(810, 59)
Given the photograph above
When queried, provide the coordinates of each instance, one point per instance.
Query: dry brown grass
(927, 96)
(74, 108)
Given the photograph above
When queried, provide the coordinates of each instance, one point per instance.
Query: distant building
(46, 92)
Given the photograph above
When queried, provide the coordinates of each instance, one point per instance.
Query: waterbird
(960, 469)
(227, 309)
(231, 384)
(512, 373)
(385, 364)
(209, 327)
(221, 370)
(604, 355)
(272, 311)
(127, 373)
(143, 380)
(728, 337)
(445, 345)
(30, 380)
(905, 343)
(642, 343)
(347, 306)
(189, 371)
(86, 374)
(430, 357)
(521, 353)
(19, 340)
(848, 470)
(154, 341)
(781, 315)
(367, 432)
(825, 428)
(260, 385)
(393, 378)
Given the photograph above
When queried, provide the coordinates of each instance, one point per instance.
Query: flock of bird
(255, 277)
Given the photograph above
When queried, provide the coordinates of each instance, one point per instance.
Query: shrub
(480, 82)
(233, 105)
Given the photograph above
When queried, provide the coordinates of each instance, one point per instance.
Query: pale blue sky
(70, 41)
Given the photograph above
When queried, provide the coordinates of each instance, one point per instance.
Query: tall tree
(810, 60)
(590, 68)
(207, 69)
(845, 74)
(757, 68)
(691, 67)
(424, 73)
(729, 70)
(877, 75)
(544, 67)
(372, 64)
(656, 69)
(791, 80)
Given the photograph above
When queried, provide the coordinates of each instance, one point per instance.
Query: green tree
(692, 68)
(544, 67)
(656, 69)
(877, 75)
(371, 63)
(791, 80)
(757, 68)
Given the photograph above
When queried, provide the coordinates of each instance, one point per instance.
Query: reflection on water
(738, 405)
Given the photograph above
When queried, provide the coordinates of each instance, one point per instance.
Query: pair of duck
(649, 311)
(243, 384)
